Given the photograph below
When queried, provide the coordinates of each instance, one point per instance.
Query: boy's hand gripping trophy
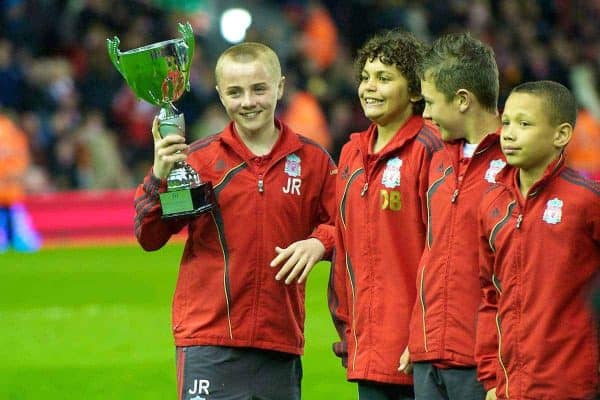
(159, 73)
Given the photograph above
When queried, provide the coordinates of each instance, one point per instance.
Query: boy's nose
(371, 85)
(426, 114)
(247, 100)
(507, 134)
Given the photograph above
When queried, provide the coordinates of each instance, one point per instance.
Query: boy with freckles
(537, 337)
(238, 308)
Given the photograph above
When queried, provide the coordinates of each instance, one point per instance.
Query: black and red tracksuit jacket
(226, 293)
(380, 235)
(537, 336)
(442, 327)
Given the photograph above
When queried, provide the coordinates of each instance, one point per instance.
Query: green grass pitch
(94, 323)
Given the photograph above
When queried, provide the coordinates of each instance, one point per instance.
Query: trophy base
(188, 202)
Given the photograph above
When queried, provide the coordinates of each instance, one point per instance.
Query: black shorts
(433, 383)
(368, 390)
(230, 373)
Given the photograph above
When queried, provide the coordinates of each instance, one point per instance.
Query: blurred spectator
(202, 92)
(96, 81)
(134, 121)
(304, 114)
(210, 122)
(319, 37)
(54, 63)
(16, 230)
(11, 77)
(583, 152)
(99, 164)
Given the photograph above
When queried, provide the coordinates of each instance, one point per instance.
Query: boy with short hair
(459, 82)
(238, 323)
(381, 224)
(539, 253)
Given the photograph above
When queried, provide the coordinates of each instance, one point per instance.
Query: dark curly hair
(459, 61)
(398, 48)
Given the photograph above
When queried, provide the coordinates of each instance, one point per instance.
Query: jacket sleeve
(324, 231)
(150, 230)
(434, 144)
(338, 301)
(486, 344)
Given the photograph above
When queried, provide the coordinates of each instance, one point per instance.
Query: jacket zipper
(454, 196)
(519, 221)
(261, 184)
(364, 189)
(478, 151)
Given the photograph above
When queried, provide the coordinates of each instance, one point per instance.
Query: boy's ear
(463, 99)
(220, 96)
(563, 134)
(280, 88)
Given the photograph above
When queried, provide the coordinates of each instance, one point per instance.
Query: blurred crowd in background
(86, 130)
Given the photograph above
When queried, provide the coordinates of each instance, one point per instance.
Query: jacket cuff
(153, 185)
(325, 234)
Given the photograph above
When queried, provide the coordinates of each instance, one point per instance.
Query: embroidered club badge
(553, 211)
(391, 174)
(292, 165)
(492, 171)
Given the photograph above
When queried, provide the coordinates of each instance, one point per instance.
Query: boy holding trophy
(238, 319)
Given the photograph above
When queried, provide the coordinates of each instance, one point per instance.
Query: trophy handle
(113, 53)
(188, 36)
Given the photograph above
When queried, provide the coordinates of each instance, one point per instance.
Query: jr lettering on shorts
(199, 387)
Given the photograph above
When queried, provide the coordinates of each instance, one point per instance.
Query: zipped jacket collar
(364, 143)
(509, 176)
(286, 143)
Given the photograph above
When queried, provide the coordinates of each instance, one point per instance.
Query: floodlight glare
(234, 23)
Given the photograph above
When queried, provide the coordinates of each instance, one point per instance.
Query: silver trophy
(159, 73)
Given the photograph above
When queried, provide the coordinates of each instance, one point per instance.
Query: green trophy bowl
(159, 73)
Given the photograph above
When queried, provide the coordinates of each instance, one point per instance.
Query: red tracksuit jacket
(442, 327)
(537, 337)
(380, 234)
(226, 293)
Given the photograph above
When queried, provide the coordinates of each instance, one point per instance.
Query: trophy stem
(170, 122)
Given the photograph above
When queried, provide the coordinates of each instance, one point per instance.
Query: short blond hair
(248, 52)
